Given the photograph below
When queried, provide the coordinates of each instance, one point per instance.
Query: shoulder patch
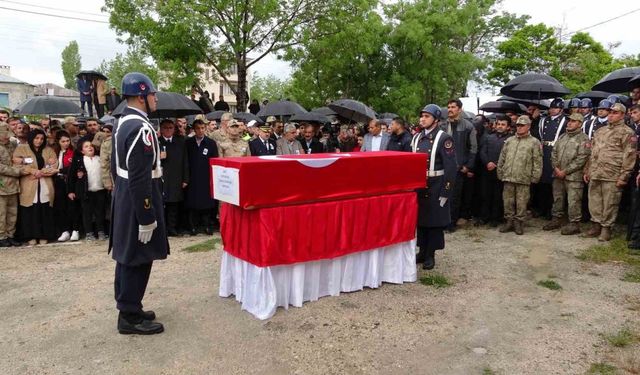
(448, 143)
(587, 144)
(633, 139)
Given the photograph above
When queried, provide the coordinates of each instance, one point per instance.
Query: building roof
(9, 79)
(43, 89)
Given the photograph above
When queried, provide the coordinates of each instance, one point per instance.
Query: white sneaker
(75, 235)
(64, 237)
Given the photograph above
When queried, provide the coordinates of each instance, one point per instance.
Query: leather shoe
(141, 327)
(13, 242)
(429, 263)
(5, 243)
(148, 315)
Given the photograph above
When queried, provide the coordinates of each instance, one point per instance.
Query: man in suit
(288, 144)
(310, 144)
(262, 145)
(113, 99)
(277, 127)
(83, 84)
(376, 139)
(175, 173)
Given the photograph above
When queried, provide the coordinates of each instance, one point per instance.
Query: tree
(71, 64)
(184, 35)
(132, 61)
(270, 88)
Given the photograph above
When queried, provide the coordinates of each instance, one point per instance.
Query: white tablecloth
(262, 289)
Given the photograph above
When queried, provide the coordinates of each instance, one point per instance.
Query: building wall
(18, 92)
(216, 87)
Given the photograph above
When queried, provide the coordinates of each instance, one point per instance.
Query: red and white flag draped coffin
(267, 181)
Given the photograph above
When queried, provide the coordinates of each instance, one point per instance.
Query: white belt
(435, 173)
(156, 173)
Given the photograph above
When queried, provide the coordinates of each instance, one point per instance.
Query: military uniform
(219, 135)
(260, 147)
(233, 148)
(591, 125)
(549, 130)
(105, 163)
(570, 155)
(520, 165)
(9, 190)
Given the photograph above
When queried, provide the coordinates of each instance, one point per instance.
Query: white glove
(146, 231)
(443, 201)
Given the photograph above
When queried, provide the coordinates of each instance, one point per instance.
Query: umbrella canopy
(312, 117)
(246, 117)
(595, 96)
(353, 110)
(48, 105)
(324, 111)
(91, 74)
(106, 119)
(634, 82)
(539, 89)
(281, 108)
(617, 81)
(541, 104)
(387, 115)
(215, 115)
(527, 77)
(468, 115)
(503, 106)
(170, 104)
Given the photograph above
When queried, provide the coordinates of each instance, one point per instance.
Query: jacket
(101, 91)
(399, 142)
(613, 153)
(29, 185)
(175, 168)
(258, 147)
(9, 173)
(368, 139)
(105, 164)
(520, 160)
(285, 148)
(316, 146)
(571, 153)
(491, 146)
(465, 141)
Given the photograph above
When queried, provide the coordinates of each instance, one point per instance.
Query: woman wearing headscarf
(36, 189)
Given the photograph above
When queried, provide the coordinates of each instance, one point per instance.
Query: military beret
(576, 117)
(619, 107)
(523, 120)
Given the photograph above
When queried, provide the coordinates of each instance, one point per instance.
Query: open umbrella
(282, 108)
(539, 89)
(170, 104)
(91, 74)
(595, 96)
(106, 119)
(617, 81)
(312, 117)
(527, 77)
(634, 82)
(541, 104)
(503, 106)
(387, 115)
(353, 110)
(48, 105)
(324, 111)
(246, 117)
(215, 115)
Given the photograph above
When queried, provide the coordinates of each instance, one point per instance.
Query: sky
(31, 43)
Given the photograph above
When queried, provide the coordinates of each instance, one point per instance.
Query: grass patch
(550, 284)
(435, 280)
(601, 369)
(632, 276)
(204, 246)
(623, 338)
(614, 251)
(488, 371)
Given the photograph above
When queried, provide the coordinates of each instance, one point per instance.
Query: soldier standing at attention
(613, 156)
(9, 189)
(233, 145)
(138, 232)
(434, 200)
(568, 159)
(519, 166)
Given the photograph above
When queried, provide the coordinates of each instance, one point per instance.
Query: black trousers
(89, 103)
(456, 197)
(543, 198)
(130, 285)
(430, 239)
(93, 207)
(633, 223)
(171, 211)
(492, 204)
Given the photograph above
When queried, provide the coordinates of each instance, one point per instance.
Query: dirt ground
(58, 315)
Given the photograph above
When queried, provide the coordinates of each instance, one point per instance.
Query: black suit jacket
(316, 146)
(175, 168)
(257, 147)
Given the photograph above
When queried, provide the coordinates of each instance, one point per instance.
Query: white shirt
(94, 176)
(376, 140)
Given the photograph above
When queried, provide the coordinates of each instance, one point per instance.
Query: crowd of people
(574, 163)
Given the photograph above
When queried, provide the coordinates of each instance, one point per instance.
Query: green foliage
(550, 284)
(622, 338)
(132, 61)
(601, 369)
(632, 276)
(614, 251)
(204, 246)
(488, 371)
(71, 64)
(435, 280)
(270, 88)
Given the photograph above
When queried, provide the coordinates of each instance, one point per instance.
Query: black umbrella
(503, 106)
(527, 77)
(91, 74)
(387, 115)
(215, 115)
(353, 110)
(634, 82)
(617, 81)
(48, 105)
(246, 117)
(540, 89)
(170, 104)
(312, 117)
(541, 104)
(324, 111)
(595, 96)
(282, 108)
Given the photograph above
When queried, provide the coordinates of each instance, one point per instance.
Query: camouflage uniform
(105, 163)
(219, 135)
(613, 157)
(9, 188)
(570, 154)
(520, 165)
(233, 148)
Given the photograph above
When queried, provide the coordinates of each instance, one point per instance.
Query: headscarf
(38, 153)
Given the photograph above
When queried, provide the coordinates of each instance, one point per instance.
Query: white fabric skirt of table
(261, 290)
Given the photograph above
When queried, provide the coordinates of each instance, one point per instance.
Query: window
(4, 99)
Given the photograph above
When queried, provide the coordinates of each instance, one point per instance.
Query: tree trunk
(241, 92)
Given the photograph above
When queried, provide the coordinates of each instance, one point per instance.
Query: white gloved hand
(443, 201)
(146, 231)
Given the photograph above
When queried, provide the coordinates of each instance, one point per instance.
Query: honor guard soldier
(434, 201)
(549, 130)
(585, 109)
(138, 232)
(596, 122)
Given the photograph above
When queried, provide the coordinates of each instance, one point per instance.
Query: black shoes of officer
(5, 243)
(429, 260)
(13, 242)
(148, 315)
(135, 324)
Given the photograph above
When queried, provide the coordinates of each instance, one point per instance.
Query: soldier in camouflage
(569, 156)
(233, 145)
(221, 134)
(613, 156)
(9, 188)
(519, 166)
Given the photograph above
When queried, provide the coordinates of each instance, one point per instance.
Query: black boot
(429, 260)
(13, 242)
(420, 256)
(135, 324)
(5, 243)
